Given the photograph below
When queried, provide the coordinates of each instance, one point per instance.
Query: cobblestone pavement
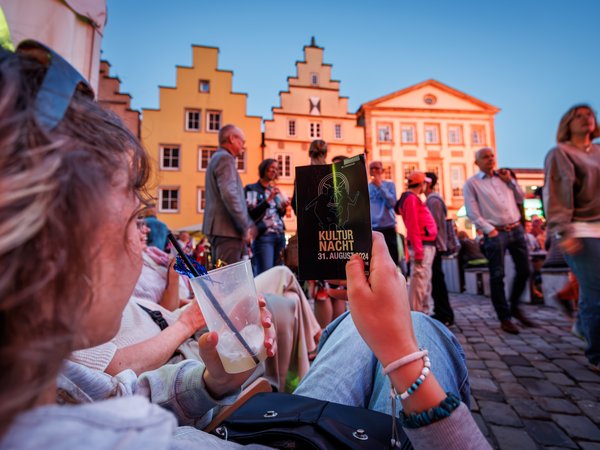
(531, 390)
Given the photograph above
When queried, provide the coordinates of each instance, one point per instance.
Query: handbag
(288, 421)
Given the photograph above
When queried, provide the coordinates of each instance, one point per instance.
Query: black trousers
(391, 241)
(442, 310)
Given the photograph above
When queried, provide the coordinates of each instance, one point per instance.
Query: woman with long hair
(70, 172)
(572, 204)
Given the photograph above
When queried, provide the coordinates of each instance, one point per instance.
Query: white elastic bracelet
(404, 360)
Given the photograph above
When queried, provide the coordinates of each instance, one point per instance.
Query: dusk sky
(531, 58)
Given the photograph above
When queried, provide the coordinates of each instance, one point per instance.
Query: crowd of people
(102, 347)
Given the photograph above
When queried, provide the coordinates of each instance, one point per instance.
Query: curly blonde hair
(52, 187)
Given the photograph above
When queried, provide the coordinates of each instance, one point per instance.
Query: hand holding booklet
(334, 218)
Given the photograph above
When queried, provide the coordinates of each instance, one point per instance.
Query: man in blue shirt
(383, 199)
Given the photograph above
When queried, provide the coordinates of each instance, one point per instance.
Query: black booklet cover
(334, 218)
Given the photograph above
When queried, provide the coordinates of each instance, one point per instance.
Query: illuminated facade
(111, 97)
(182, 134)
(310, 109)
(428, 127)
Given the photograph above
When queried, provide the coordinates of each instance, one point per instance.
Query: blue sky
(531, 58)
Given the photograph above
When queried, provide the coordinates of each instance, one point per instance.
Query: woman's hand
(219, 382)
(379, 306)
(191, 317)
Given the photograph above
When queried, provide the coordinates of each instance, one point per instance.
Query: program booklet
(334, 218)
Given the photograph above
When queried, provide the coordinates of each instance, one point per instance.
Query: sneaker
(518, 314)
(508, 326)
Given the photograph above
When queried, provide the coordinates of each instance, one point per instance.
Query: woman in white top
(572, 204)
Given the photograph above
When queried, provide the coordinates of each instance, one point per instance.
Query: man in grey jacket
(442, 310)
(226, 221)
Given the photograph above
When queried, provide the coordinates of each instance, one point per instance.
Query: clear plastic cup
(228, 300)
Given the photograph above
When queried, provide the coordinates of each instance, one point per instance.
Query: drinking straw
(211, 298)
(183, 255)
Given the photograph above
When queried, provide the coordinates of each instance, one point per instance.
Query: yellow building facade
(310, 109)
(428, 127)
(182, 134)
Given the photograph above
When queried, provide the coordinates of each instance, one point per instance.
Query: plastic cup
(236, 318)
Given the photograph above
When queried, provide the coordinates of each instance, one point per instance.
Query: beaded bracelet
(413, 387)
(417, 420)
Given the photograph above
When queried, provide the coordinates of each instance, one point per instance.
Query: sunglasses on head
(59, 84)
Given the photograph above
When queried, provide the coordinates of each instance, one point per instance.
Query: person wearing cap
(421, 232)
(382, 195)
(442, 310)
(491, 200)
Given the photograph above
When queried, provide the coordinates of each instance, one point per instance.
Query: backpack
(452, 242)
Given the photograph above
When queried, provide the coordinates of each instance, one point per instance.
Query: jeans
(266, 251)
(439, 292)
(420, 281)
(584, 267)
(494, 249)
(347, 372)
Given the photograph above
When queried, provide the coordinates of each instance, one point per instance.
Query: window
(477, 135)
(213, 121)
(387, 173)
(201, 204)
(285, 164)
(384, 133)
(315, 130)
(457, 179)
(168, 199)
(169, 157)
(204, 155)
(204, 86)
(432, 134)
(455, 134)
(337, 130)
(408, 168)
(240, 163)
(314, 106)
(192, 120)
(408, 134)
(291, 128)
(314, 78)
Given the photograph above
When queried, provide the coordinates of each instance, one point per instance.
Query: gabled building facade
(310, 109)
(111, 97)
(182, 134)
(428, 127)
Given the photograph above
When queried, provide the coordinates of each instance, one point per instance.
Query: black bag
(287, 421)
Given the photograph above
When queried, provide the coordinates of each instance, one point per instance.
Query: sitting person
(536, 258)
(85, 177)
(469, 255)
(145, 343)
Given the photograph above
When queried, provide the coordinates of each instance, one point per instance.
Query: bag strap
(156, 317)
